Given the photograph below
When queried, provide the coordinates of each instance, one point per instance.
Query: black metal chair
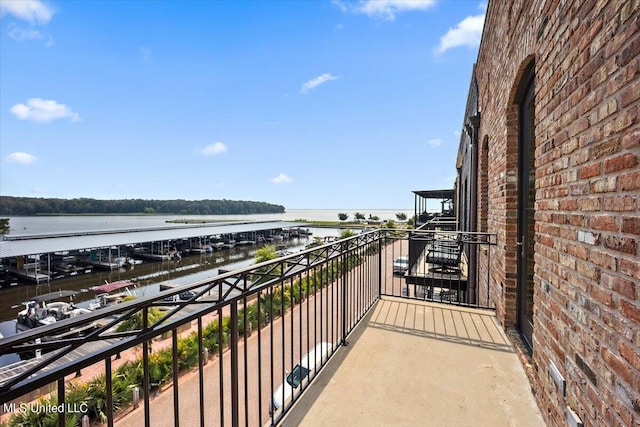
(444, 255)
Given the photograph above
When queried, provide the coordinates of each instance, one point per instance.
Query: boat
(228, 244)
(105, 297)
(201, 248)
(47, 309)
(64, 267)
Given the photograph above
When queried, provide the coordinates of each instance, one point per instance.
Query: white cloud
(456, 132)
(20, 34)
(281, 179)
(34, 11)
(313, 83)
(384, 9)
(435, 142)
(213, 149)
(468, 32)
(22, 158)
(43, 111)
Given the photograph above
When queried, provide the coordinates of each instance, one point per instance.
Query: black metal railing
(441, 266)
(239, 351)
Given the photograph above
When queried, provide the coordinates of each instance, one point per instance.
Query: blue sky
(308, 104)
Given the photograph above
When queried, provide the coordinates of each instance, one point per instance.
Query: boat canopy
(113, 286)
(54, 295)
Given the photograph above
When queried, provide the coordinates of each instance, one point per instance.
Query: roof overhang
(436, 194)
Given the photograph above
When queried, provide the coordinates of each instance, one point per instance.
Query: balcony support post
(176, 401)
(108, 377)
(379, 264)
(145, 368)
(233, 347)
(344, 258)
(61, 402)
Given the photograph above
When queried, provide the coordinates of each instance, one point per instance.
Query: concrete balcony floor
(415, 363)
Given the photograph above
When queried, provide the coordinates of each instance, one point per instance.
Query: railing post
(145, 368)
(61, 403)
(344, 293)
(233, 346)
(176, 401)
(201, 371)
(109, 379)
(380, 264)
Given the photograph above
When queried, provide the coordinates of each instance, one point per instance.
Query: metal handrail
(358, 271)
(213, 295)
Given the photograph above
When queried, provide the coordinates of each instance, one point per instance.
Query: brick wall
(587, 172)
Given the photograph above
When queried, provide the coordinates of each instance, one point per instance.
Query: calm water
(198, 268)
(59, 224)
(148, 275)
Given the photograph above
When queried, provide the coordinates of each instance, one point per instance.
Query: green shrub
(134, 323)
(188, 352)
(97, 398)
(31, 418)
(160, 368)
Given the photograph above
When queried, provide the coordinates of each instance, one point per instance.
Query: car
(401, 265)
(304, 371)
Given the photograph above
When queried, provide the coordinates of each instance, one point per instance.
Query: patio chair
(444, 256)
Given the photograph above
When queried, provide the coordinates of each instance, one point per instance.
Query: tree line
(18, 206)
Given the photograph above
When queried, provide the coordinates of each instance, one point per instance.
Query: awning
(113, 286)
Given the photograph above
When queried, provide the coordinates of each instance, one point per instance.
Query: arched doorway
(526, 205)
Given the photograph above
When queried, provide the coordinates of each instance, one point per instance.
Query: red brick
(630, 267)
(618, 365)
(630, 311)
(604, 185)
(619, 203)
(606, 148)
(631, 225)
(602, 296)
(630, 181)
(629, 353)
(578, 251)
(629, 53)
(603, 259)
(624, 287)
(568, 205)
(630, 94)
(621, 244)
(631, 138)
(619, 163)
(589, 171)
(603, 222)
(590, 204)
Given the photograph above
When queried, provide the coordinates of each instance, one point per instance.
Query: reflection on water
(192, 268)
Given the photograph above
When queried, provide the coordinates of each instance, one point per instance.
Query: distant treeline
(38, 206)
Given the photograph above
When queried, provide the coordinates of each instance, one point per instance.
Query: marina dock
(35, 258)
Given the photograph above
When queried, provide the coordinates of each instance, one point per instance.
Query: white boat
(228, 244)
(47, 309)
(105, 297)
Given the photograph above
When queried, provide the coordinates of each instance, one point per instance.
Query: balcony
(420, 363)
(397, 352)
